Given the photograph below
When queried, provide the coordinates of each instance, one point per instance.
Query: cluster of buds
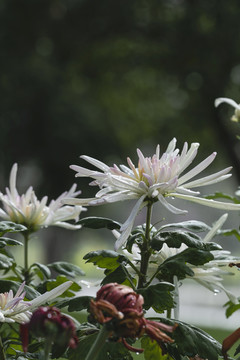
(49, 323)
(120, 308)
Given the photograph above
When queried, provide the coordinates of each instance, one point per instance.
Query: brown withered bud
(121, 308)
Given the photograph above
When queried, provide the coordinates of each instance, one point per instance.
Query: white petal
(79, 201)
(170, 207)
(81, 171)
(47, 296)
(208, 202)
(186, 158)
(231, 102)
(171, 145)
(95, 162)
(211, 179)
(133, 213)
(218, 224)
(126, 228)
(197, 169)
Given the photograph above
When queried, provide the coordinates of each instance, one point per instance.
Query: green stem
(47, 349)
(145, 249)
(98, 344)
(26, 268)
(2, 353)
(169, 313)
(134, 268)
(26, 239)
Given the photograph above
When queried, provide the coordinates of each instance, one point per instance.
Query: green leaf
(231, 308)
(105, 259)
(175, 239)
(191, 225)
(119, 275)
(152, 350)
(78, 303)
(10, 242)
(52, 283)
(99, 223)
(110, 350)
(6, 262)
(158, 296)
(219, 195)
(6, 285)
(9, 226)
(230, 233)
(190, 341)
(41, 270)
(66, 268)
(176, 265)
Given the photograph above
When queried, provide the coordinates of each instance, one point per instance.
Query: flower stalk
(145, 248)
(98, 343)
(2, 353)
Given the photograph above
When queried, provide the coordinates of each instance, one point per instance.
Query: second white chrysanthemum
(26, 209)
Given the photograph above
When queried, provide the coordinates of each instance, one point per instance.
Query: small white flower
(26, 209)
(208, 275)
(154, 179)
(236, 116)
(15, 309)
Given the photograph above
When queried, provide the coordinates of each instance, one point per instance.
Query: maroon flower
(121, 308)
(49, 323)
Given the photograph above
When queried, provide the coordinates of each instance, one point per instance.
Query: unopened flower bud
(49, 323)
(120, 308)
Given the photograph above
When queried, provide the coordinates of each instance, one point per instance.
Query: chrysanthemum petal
(208, 202)
(211, 179)
(231, 102)
(197, 169)
(170, 207)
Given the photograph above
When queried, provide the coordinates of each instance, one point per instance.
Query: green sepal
(93, 222)
(66, 268)
(158, 296)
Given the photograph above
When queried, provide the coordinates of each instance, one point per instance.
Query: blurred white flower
(209, 274)
(26, 209)
(236, 116)
(15, 309)
(154, 179)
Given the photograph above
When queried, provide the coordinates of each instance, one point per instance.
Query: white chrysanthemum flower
(26, 209)
(209, 274)
(154, 179)
(236, 116)
(15, 309)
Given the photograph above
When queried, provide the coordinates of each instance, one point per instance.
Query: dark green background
(104, 77)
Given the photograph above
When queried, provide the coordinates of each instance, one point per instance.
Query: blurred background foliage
(102, 78)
